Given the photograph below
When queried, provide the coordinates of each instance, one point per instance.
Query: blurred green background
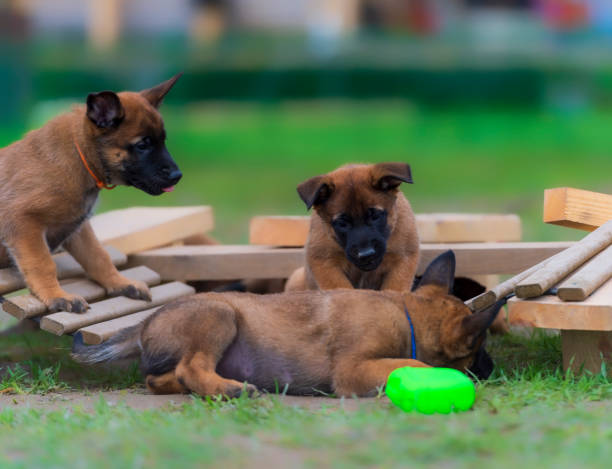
(490, 102)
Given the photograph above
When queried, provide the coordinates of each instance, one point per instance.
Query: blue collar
(412, 338)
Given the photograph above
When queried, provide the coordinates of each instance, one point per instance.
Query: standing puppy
(50, 181)
(362, 232)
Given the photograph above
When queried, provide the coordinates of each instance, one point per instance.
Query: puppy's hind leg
(364, 377)
(165, 384)
(196, 370)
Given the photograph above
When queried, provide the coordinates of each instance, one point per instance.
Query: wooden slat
(550, 312)
(66, 266)
(589, 277)
(98, 333)
(27, 306)
(576, 208)
(558, 268)
(240, 261)
(284, 231)
(292, 231)
(65, 323)
(140, 228)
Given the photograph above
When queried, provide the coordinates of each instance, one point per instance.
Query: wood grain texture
(550, 312)
(27, 306)
(579, 285)
(98, 333)
(292, 231)
(66, 266)
(140, 228)
(65, 323)
(585, 350)
(576, 208)
(558, 268)
(228, 262)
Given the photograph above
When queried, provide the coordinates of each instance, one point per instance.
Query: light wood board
(98, 333)
(292, 231)
(65, 323)
(140, 228)
(27, 306)
(243, 261)
(576, 208)
(550, 312)
(66, 266)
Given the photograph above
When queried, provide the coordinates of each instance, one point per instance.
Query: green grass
(247, 160)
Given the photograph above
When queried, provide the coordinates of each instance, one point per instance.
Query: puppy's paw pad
(237, 391)
(72, 304)
(134, 291)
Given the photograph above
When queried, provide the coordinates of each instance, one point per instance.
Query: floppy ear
(156, 94)
(387, 176)
(104, 109)
(474, 326)
(440, 272)
(315, 191)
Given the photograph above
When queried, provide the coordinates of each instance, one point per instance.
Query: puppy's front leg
(364, 377)
(87, 250)
(327, 275)
(31, 254)
(400, 278)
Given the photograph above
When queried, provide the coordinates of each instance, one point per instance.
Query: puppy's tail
(125, 344)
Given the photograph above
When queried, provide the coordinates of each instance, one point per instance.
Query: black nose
(175, 176)
(364, 253)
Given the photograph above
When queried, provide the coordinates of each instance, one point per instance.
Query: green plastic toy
(430, 390)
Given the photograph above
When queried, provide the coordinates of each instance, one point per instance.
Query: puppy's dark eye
(143, 144)
(342, 223)
(375, 215)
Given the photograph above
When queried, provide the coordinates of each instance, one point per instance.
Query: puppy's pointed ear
(156, 94)
(474, 327)
(315, 191)
(388, 176)
(104, 109)
(440, 272)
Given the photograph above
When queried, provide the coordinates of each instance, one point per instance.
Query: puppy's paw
(70, 303)
(243, 388)
(132, 289)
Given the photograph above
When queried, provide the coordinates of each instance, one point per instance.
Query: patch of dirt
(141, 400)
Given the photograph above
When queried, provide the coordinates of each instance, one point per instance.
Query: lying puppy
(51, 179)
(342, 341)
(362, 231)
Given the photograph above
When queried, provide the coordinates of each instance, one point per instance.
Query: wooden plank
(27, 306)
(98, 333)
(585, 350)
(65, 323)
(588, 278)
(140, 228)
(468, 228)
(292, 231)
(66, 266)
(576, 208)
(550, 312)
(279, 231)
(558, 268)
(228, 262)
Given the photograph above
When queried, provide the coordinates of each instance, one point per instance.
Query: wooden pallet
(585, 325)
(106, 316)
(124, 231)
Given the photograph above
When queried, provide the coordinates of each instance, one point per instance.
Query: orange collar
(99, 184)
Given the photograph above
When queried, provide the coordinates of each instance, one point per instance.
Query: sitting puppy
(51, 179)
(342, 341)
(362, 231)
